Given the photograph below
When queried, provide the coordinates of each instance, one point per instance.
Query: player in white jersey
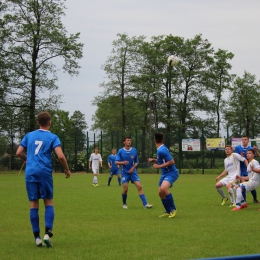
(232, 169)
(253, 170)
(95, 160)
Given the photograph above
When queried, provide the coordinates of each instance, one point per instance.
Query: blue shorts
(126, 177)
(39, 190)
(114, 171)
(170, 177)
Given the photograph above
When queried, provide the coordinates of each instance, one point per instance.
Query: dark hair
(127, 137)
(245, 136)
(43, 118)
(158, 137)
(251, 150)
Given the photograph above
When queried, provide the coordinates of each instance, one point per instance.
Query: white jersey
(95, 160)
(254, 177)
(232, 164)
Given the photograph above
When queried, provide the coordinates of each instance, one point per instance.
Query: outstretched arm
(62, 160)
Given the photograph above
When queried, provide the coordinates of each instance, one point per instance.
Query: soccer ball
(172, 60)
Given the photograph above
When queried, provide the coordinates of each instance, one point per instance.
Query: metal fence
(77, 152)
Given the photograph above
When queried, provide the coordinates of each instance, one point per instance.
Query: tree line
(143, 92)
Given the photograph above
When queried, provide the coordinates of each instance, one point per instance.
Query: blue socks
(143, 198)
(49, 216)
(119, 181)
(34, 218)
(166, 205)
(170, 201)
(124, 196)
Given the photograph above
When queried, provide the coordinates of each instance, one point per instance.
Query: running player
(114, 169)
(39, 145)
(128, 159)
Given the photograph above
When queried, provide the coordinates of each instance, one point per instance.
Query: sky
(231, 25)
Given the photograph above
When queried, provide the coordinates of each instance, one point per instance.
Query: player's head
(96, 150)
(127, 141)
(250, 154)
(114, 151)
(158, 138)
(44, 119)
(228, 149)
(245, 140)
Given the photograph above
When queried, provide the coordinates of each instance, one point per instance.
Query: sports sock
(119, 181)
(124, 197)
(253, 192)
(221, 192)
(170, 200)
(231, 194)
(49, 216)
(95, 180)
(109, 180)
(34, 218)
(166, 205)
(143, 198)
(239, 197)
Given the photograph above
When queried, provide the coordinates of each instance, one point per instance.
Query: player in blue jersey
(39, 145)
(242, 150)
(114, 169)
(128, 159)
(170, 174)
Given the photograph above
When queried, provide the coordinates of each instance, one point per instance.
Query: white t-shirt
(95, 159)
(232, 164)
(254, 177)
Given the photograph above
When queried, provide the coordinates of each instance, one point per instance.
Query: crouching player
(253, 178)
(232, 169)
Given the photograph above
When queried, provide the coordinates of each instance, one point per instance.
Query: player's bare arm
(257, 170)
(133, 168)
(20, 153)
(122, 163)
(62, 160)
(157, 166)
(256, 151)
(221, 175)
(150, 160)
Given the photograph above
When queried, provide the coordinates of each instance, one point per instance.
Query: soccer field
(91, 224)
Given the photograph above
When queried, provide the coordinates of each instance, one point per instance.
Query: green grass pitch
(91, 224)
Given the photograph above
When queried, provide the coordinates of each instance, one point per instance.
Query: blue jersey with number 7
(39, 145)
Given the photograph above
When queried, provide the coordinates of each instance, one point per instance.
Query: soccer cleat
(47, 240)
(148, 206)
(125, 206)
(93, 184)
(236, 209)
(165, 214)
(256, 201)
(224, 201)
(97, 185)
(173, 214)
(243, 206)
(232, 205)
(38, 242)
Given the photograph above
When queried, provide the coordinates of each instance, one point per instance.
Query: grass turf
(91, 224)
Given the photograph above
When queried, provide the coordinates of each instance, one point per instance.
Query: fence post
(101, 148)
(203, 155)
(75, 157)
(87, 152)
(180, 149)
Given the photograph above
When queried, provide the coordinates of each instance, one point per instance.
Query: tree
(32, 34)
(218, 80)
(242, 110)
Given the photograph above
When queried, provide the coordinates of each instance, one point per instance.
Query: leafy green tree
(242, 111)
(218, 79)
(32, 35)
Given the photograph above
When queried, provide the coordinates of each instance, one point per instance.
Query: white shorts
(95, 170)
(227, 179)
(250, 186)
